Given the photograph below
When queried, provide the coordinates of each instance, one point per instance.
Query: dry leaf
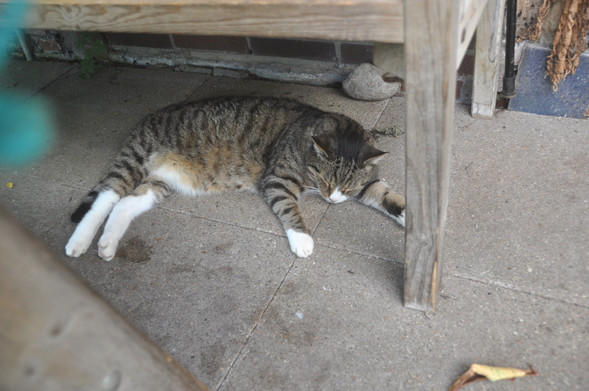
(481, 372)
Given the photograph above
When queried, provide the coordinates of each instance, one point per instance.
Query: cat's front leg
(301, 243)
(282, 196)
(380, 196)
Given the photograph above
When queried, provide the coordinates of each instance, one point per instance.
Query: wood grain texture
(486, 70)
(468, 18)
(357, 20)
(56, 334)
(430, 80)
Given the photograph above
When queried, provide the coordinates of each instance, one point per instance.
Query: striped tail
(126, 174)
(84, 207)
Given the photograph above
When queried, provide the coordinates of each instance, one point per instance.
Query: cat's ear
(321, 144)
(372, 155)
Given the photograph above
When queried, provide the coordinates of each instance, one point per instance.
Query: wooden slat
(358, 20)
(468, 18)
(56, 334)
(430, 80)
(486, 72)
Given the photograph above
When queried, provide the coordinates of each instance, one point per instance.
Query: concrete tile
(338, 324)
(355, 227)
(28, 78)
(94, 117)
(224, 86)
(244, 209)
(43, 206)
(519, 204)
(194, 286)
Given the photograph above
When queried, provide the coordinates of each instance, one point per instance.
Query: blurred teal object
(11, 19)
(25, 130)
(25, 124)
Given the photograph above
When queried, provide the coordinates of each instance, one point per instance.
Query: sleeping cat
(279, 148)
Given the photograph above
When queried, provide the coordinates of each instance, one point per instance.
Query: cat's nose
(336, 197)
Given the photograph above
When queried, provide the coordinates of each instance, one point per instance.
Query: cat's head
(340, 166)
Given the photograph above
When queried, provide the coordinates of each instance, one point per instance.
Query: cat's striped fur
(277, 147)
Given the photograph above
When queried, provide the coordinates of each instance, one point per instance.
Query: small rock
(366, 83)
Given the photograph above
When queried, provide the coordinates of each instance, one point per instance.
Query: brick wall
(328, 51)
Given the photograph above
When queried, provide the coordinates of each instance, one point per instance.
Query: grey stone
(366, 83)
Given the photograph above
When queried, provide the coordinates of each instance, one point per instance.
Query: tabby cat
(279, 148)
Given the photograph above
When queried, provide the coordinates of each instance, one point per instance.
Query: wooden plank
(486, 71)
(56, 334)
(361, 20)
(468, 19)
(430, 79)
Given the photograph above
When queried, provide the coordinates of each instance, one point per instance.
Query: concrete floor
(213, 282)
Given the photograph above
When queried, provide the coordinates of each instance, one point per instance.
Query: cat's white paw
(107, 247)
(76, 246)
(300, 243)
(400, 219)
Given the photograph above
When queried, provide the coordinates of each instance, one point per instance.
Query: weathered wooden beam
(361, 20)
(486, 70)
(390, 56)
(430, 81)
(469, 14)
(56, 334)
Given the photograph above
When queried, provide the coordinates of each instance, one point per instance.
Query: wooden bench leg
(430, 79)
(56, 334)
(488, 43)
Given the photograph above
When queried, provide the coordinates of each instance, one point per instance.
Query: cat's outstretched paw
(107, 247)
(400, 219)
(300, 243)
(79, 242)
(76, 246)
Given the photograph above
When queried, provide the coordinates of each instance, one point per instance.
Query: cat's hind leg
(140, 201)
(94, 212)
(380, 196)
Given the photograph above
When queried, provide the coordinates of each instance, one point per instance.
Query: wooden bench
(435, 35)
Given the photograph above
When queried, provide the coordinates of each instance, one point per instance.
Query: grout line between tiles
(168, 209)
(255, 326)
(257, 323)
(59, 77)
(499, 284)
(400, 263)
(319, 222)
(191, 95)
(384, 109)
